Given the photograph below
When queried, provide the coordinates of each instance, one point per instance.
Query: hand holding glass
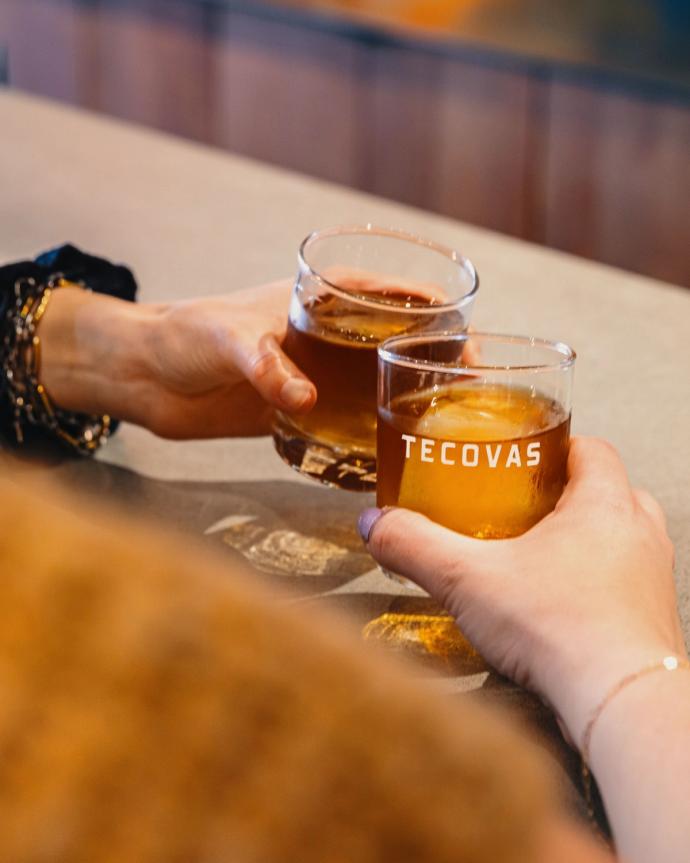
(355, 288)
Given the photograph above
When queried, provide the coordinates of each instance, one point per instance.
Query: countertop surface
(190, 221)
(643, 42)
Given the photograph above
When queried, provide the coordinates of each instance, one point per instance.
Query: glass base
(333, 466)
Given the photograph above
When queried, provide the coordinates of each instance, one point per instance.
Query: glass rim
(397, 234)
(387, 352)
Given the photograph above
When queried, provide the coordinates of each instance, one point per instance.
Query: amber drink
(489, 461)
(339, 314)
(473, 431)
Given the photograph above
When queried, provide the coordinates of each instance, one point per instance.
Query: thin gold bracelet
(668, 663)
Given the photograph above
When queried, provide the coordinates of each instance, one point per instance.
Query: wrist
(94, 353)
(579, 691)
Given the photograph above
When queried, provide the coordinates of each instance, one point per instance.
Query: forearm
(94, 355)
(640, 755)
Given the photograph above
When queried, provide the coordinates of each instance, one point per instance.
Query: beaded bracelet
(668, 663)
(20, 357)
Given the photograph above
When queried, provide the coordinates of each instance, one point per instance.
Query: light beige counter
(193, 221)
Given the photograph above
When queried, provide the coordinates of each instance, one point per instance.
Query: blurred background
(564, 123)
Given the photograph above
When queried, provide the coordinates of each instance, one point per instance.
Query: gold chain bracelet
(668, 663)
(20, 353)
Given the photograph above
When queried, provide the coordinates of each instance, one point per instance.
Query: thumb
(275, 377)
(434, 557)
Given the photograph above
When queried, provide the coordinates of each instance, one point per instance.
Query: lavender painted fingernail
(367, 520)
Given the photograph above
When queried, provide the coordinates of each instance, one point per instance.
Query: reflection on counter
(430, 638)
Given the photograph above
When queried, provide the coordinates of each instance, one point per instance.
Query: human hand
(568, 608)
(198, 368)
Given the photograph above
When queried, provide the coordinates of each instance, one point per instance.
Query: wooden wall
(594, 168)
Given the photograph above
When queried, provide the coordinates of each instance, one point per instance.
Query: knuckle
(618, 506)
(589, 446)
(669, 549)
(264, 365)
(651, 507)
(603, 445)
(644, 498)
(226, 335)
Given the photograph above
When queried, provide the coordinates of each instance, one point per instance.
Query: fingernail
(367, 520)
(295, 393)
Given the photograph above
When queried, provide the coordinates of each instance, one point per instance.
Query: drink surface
(484, 460)
(334, 342)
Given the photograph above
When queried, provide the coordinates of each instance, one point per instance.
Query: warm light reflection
(430, 14)
(432, 638)
(434, 13)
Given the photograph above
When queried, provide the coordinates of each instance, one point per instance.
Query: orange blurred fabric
(158, 705)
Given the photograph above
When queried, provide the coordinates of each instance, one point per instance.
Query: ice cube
(470, 412)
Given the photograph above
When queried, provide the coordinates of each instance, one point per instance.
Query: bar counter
(191, 220)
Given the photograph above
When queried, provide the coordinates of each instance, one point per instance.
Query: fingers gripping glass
(473, 429)
(357, 286)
